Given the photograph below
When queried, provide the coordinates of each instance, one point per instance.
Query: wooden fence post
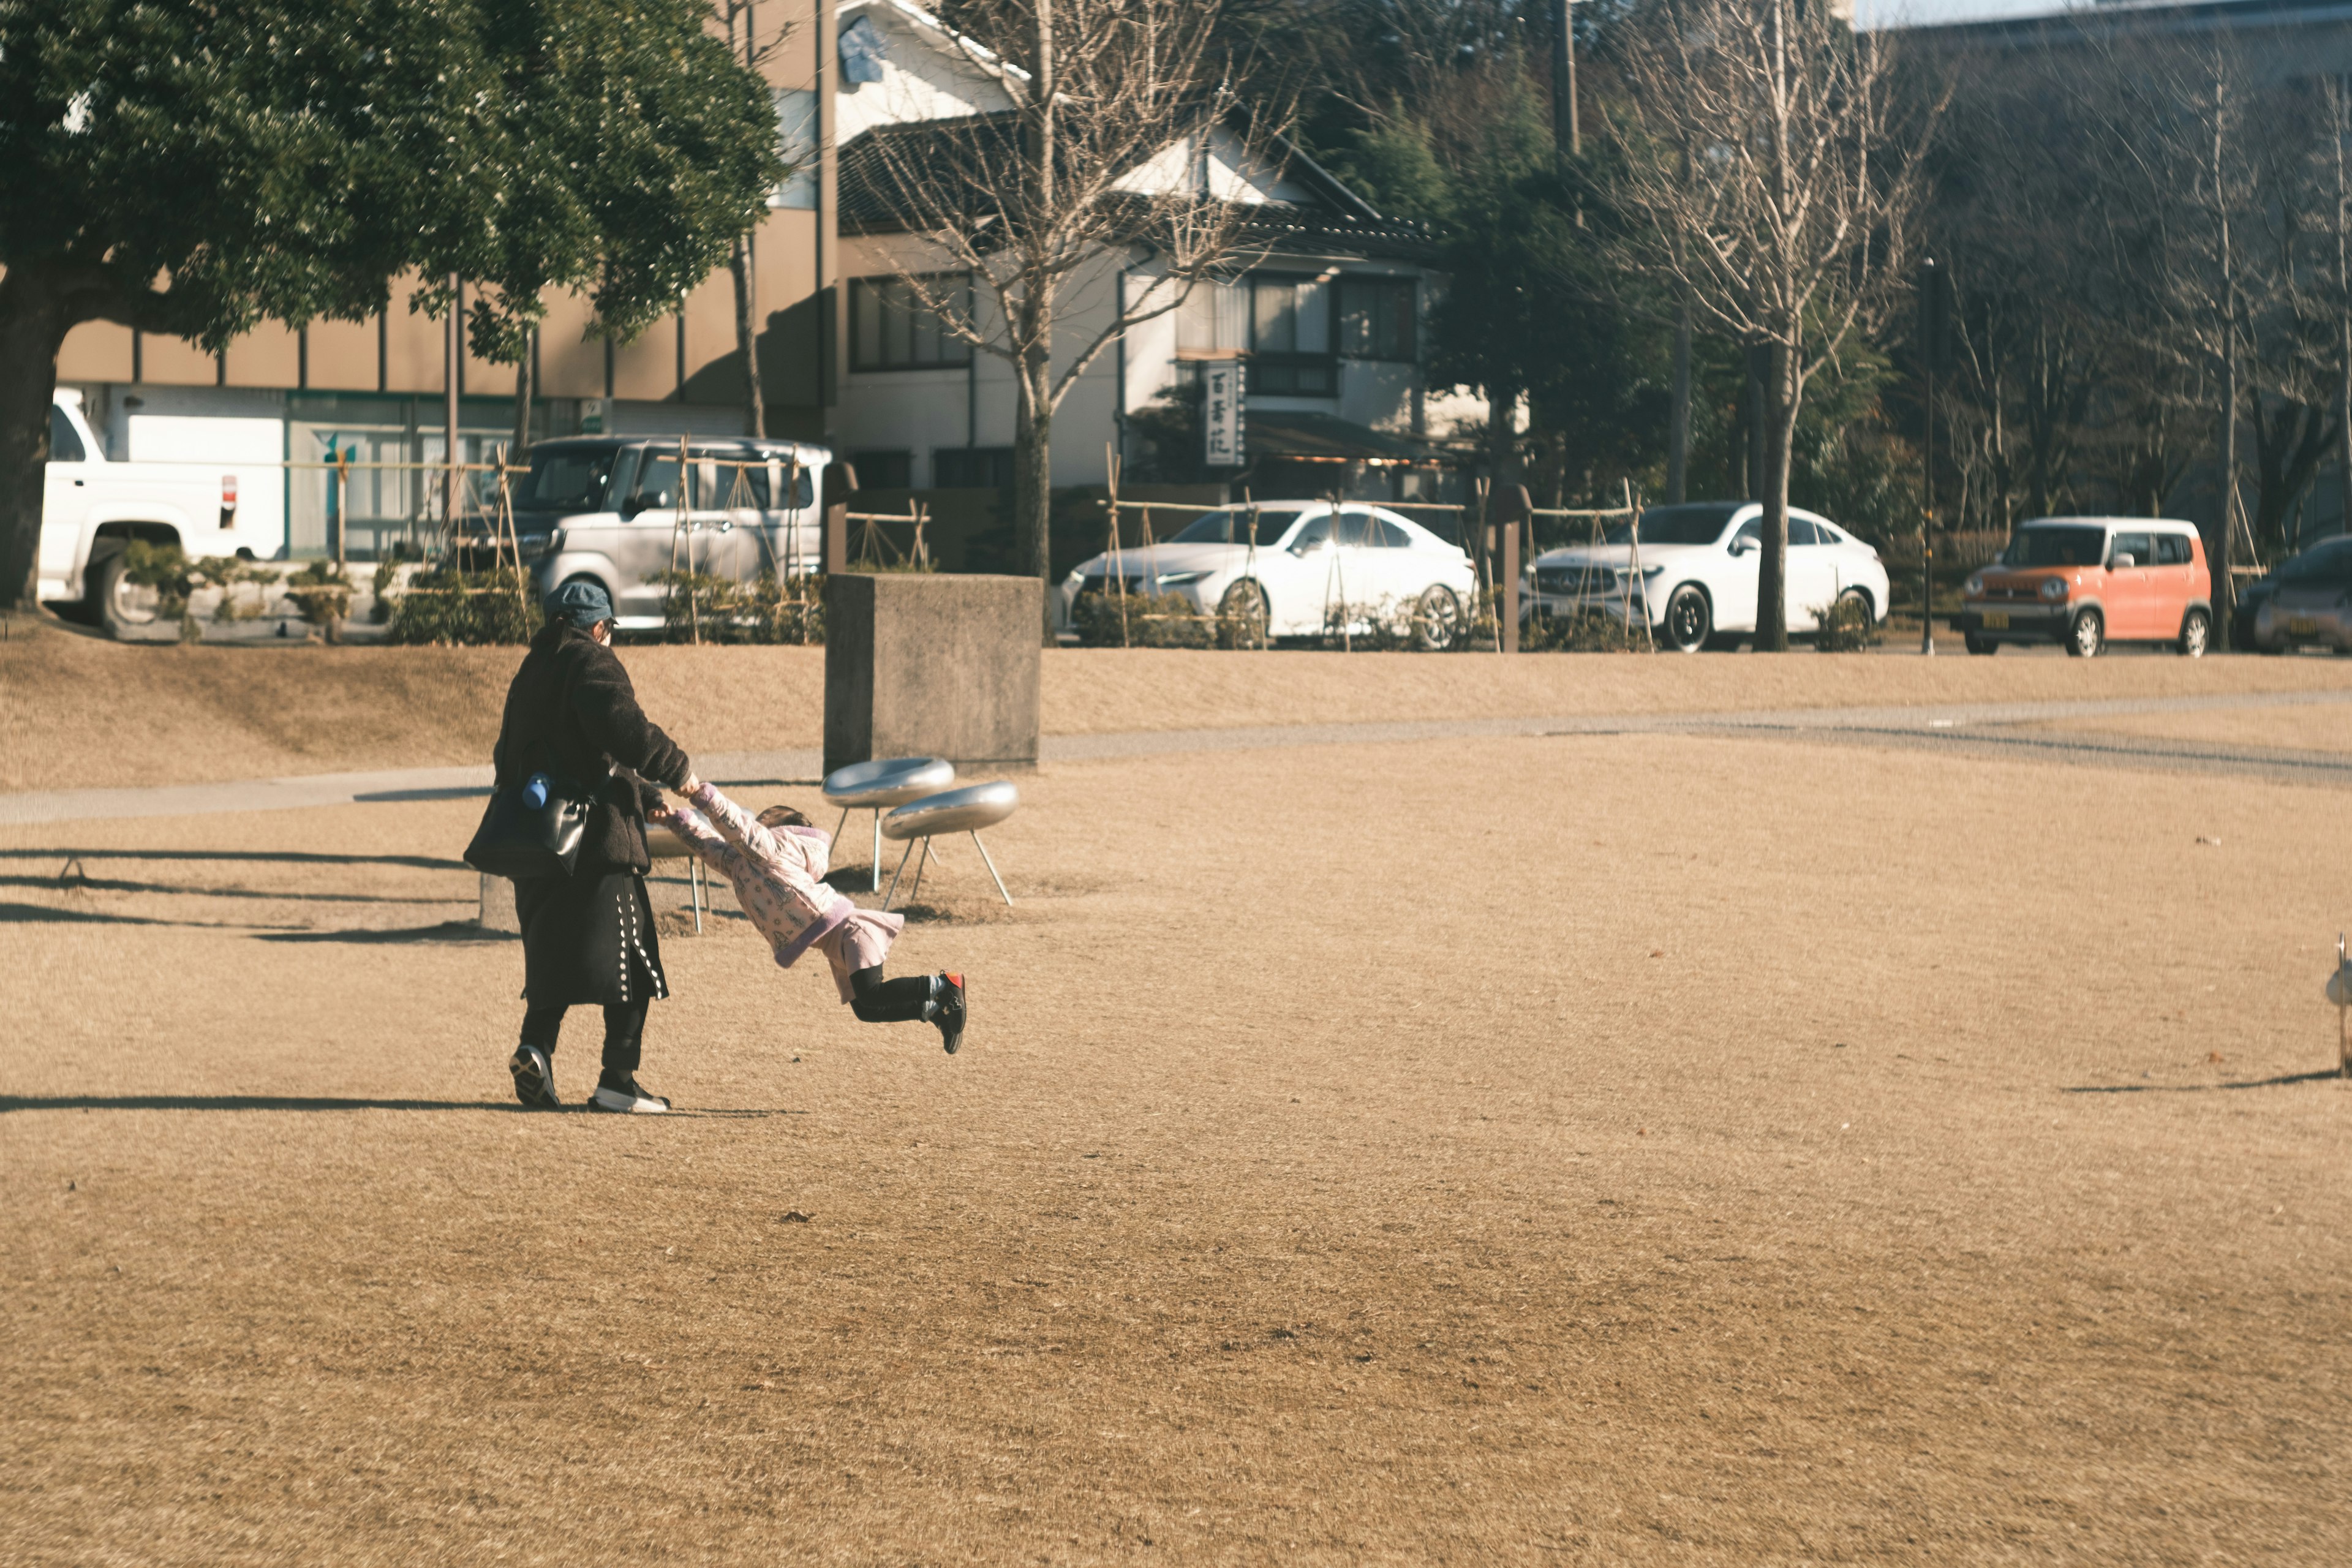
(836, 538)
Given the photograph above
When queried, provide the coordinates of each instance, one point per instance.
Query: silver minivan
(615, 510)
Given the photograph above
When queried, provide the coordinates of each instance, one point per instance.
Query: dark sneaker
(628, 1098)
(534, 1077)
(950, 1000)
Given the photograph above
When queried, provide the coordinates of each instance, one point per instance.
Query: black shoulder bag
(530, 831)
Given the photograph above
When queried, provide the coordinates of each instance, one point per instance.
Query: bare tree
(1105, 158)
(1791, 228)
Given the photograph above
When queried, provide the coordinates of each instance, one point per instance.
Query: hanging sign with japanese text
(1221, 414)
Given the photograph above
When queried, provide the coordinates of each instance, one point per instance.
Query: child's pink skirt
(861, 942)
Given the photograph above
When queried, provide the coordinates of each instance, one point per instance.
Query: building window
(1290, 337)
(973, 468)
(884, 470)
(1213, 318)
(796, 144)
(891, 328)
(1376, 319)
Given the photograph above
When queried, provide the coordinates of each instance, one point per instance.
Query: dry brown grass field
(1613, 1149)
(76, 711)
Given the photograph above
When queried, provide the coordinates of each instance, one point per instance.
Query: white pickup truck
(93, 509)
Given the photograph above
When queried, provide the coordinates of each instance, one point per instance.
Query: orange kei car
(2087, 581)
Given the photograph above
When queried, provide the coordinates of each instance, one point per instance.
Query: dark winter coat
(571, 712)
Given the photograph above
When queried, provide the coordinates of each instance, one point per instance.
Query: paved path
(1973, 729)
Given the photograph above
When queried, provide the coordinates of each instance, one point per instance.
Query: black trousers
(625, 1030)
(878, 1001)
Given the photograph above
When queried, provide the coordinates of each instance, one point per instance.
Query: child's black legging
(878, 1001)
(625, 1032)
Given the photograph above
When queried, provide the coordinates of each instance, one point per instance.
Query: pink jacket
(778, 876)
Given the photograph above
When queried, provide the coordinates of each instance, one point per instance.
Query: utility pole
(1564, 132)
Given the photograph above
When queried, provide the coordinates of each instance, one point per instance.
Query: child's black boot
(947, 1009)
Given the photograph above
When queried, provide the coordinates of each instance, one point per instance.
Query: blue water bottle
(534, 791)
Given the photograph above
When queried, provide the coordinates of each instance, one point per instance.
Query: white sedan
(1299, 568)
(1696, 579)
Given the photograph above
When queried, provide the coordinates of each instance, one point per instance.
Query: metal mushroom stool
(661, 844)
(878, 785)
(958, 811)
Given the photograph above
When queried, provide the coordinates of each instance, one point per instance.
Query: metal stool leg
(920, 861)
(693, 889)
(840, 824)
(992, 866)
(878, 852)
(893, 893)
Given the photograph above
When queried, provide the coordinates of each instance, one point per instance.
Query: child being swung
(777, 864)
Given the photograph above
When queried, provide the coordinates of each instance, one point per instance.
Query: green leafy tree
(191, 168)
(1527, 312)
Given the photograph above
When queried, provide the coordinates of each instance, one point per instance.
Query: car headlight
(1974, 587)
(1180, 579)
(2053, 588)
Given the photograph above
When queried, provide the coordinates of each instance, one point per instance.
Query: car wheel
(1979, 645)
(2196, 629)
(1438, 622)
(1242, 616)
(125, 609)
(1690, 620)
(2087, 636)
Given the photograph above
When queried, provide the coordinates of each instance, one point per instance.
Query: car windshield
(1234, 527)
(2056, 547)
(2328, 562)
(567, 482)
(1700, 522)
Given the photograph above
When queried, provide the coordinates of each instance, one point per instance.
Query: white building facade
(1328, 318)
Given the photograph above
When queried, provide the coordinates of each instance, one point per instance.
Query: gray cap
(585, 604)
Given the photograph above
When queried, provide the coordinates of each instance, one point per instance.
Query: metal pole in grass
(450, 349)
(685, 525)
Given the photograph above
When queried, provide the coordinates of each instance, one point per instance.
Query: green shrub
(1142, 620)
(704, 607)
(1589, 632)
(165, 569)
(455, 607)
(1846, 627)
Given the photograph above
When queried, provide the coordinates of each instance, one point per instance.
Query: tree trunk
(1678, 413)
(524, 392)
(1033, 479)
(33, 325)
(2225, 582)
(747, 342)
(1779, 438)
(2344, 419)
(1759, 355)
(1502, 467)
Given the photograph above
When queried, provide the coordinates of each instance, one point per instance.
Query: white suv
(1691, 572)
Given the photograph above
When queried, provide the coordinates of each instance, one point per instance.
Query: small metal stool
(957, 811)
(878, 785)
(662, 843)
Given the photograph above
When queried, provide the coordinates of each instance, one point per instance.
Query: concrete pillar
(927, 664)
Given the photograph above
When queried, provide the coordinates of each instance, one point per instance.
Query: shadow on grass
(116, 885)
(2328, 1075)
(285, 857)
(42, 914)
(12, 1102)
(447, 932)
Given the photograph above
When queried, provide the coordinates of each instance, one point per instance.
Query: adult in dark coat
(589, 937)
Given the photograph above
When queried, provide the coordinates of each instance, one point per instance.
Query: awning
(1294, 432)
